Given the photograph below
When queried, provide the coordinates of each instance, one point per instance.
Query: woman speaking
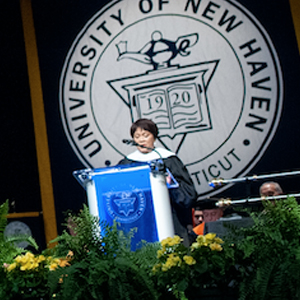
(144, 133)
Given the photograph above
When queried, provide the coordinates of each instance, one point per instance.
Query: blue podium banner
(124, 195)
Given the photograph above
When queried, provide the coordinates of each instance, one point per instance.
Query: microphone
(133, 143)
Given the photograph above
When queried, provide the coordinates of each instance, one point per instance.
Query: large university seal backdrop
(205, 71)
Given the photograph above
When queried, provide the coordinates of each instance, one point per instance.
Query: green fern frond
(3, 218)
(8, 247)
(103, 263)
(272, 244)
(264, 275)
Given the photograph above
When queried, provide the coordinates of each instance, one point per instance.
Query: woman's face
(145, 138)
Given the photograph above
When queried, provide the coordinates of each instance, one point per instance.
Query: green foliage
(207, 263)
(81, 236)
(17, 284)
(102, 264)
(3, 219)
(8, 248)
(27, 277)
(269, 253)
(262, 260)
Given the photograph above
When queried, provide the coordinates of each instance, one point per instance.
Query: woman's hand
(168, 179)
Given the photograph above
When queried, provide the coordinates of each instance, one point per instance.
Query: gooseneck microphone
(133, 143)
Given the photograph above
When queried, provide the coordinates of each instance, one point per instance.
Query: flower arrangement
(207, 263)
(27, 276)
(8, 248)
(103, 265)
(260, 262)
(31, 262)
(23, 274)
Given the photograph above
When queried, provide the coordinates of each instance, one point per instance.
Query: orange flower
(63, 262)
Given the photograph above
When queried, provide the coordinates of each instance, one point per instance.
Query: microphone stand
(219, 182)
(227, 202)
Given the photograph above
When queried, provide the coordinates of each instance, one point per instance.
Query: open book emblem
(173, 96)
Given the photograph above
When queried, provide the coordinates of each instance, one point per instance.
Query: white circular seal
(16, 229)
(125, 206)
(205, 72)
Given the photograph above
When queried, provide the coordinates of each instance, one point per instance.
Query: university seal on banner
(125, 206)
(205, 72)
(173, 97)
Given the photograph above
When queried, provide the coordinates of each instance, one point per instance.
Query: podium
(135, 196)
(223, 226)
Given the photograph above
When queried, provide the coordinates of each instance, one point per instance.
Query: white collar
(144, 157)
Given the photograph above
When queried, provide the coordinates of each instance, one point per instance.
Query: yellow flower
(215, 247)
(195, 246)
(201, 240)
(29, 255)
(56, 260)
(210, 237)
(20, 258)
(176, 240)
(156, 267)
(172, 261)
(41, 258)
(29, 265)
(189, 260)
(27, 261)
(53, 266)
(11, 267)
(164, 268)
(169, 241)
(52, 263)
(218, 240)
(160, 252)
(165, 241)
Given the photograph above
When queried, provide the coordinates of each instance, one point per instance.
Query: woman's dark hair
(145, 124)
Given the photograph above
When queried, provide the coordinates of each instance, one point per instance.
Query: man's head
(198, 216)
(270, 188)
(213, 214)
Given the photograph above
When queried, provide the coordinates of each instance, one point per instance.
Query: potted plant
(26, 277)
(268, 255)
(23, 275)
(102, 265)
(205, 269)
